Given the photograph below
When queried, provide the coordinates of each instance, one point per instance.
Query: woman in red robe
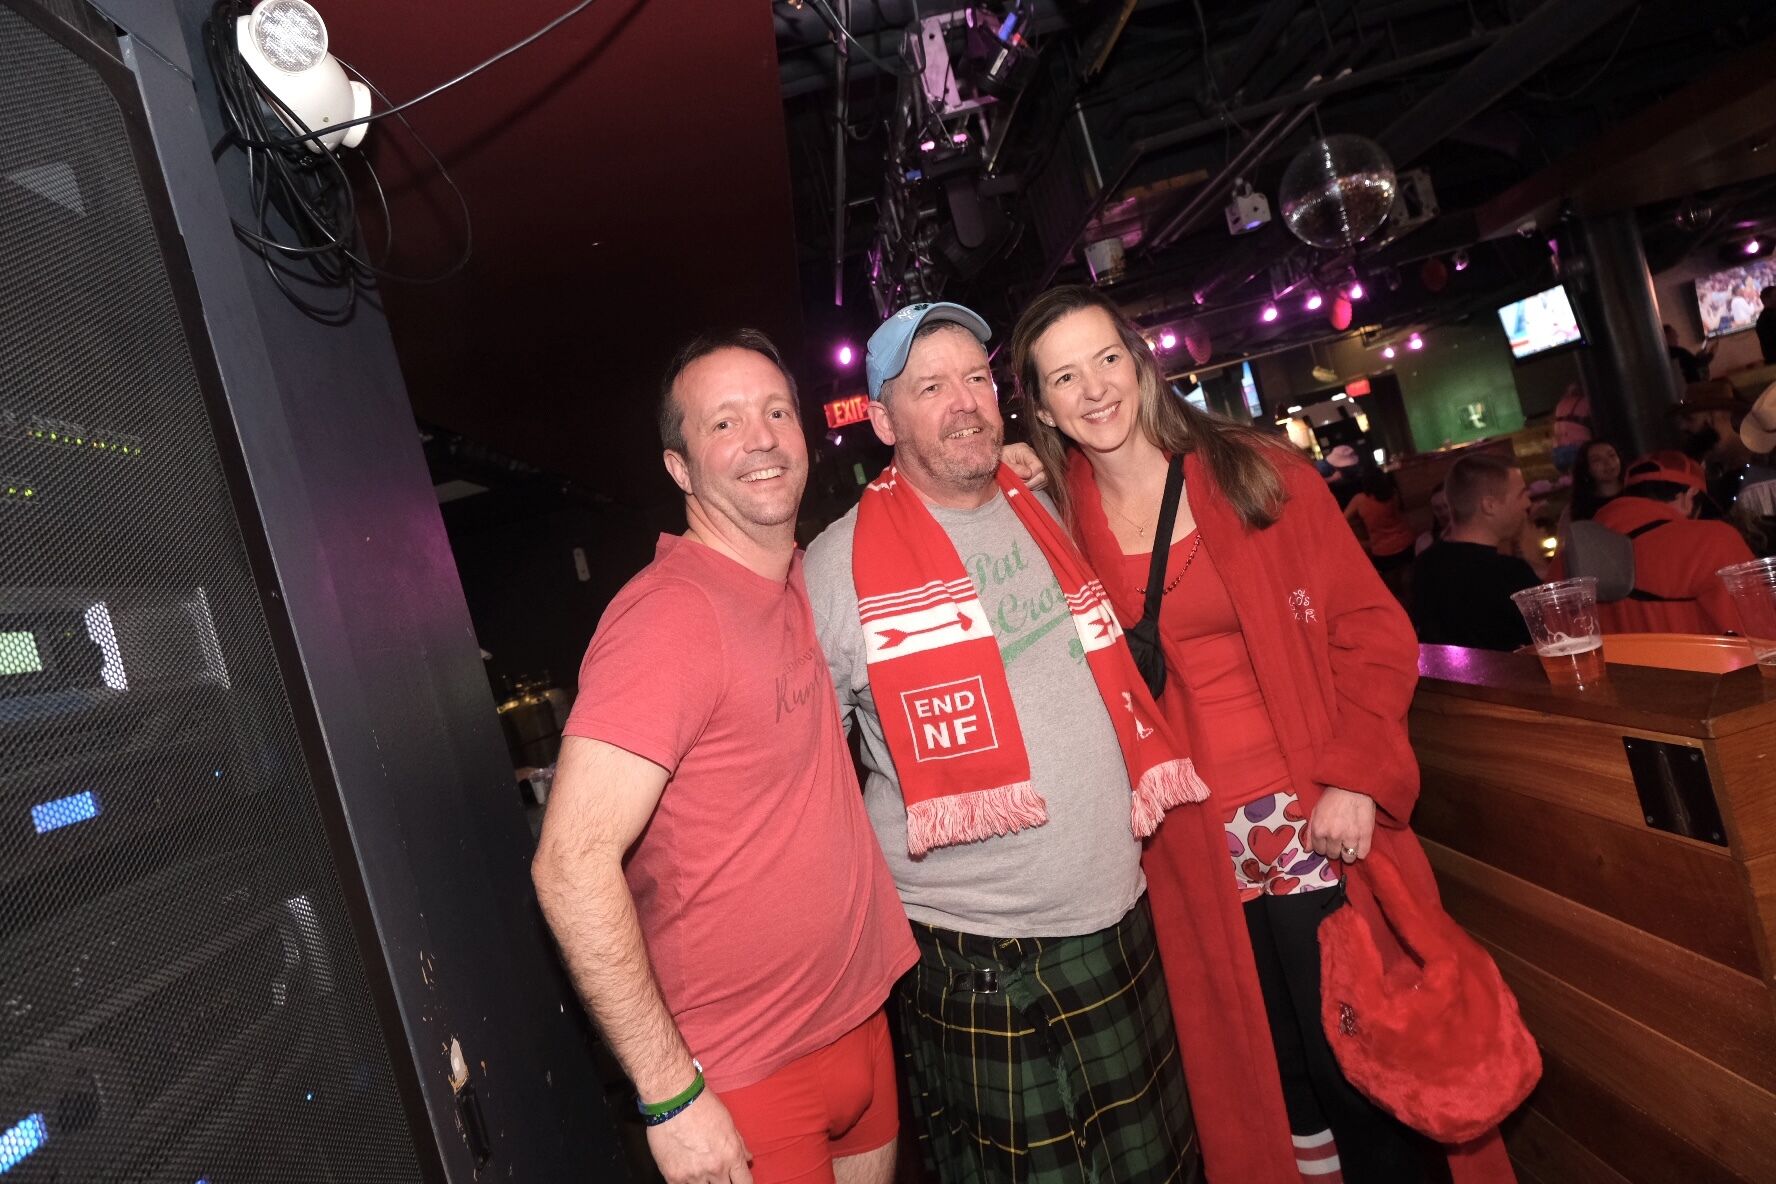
(1290, 669)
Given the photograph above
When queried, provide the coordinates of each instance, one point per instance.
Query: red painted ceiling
(629, 181)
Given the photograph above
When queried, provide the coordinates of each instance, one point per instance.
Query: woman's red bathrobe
(1337, 662)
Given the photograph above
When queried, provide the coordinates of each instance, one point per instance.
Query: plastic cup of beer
(1753, 588)
(1562, 620)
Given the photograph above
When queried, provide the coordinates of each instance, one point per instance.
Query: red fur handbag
(1436, 1040)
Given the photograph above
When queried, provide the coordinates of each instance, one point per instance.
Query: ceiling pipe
(1274, 131)
(1520, 52)
(1256, 44)
(811, 71)
(841, 68)
(1315, 92)
(1249, 261)
(1356, 80)
(804, 71)
(1515, 55)
(804, 28)
(1511, 57)
(1136, 154)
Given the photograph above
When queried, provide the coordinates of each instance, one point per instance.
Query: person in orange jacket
(1675, 555)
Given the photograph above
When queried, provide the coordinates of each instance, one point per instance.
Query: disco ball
(1337, 192)
(1197, 342)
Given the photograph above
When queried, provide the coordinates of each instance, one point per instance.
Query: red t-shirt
(1389, 533)
(1219, 707)
(770, 917)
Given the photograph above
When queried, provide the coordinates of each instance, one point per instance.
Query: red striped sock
(1317, 1158)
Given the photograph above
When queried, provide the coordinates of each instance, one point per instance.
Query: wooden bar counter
(1615, 850)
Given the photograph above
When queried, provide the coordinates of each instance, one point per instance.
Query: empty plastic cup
(1753, 588)
(1562, 620)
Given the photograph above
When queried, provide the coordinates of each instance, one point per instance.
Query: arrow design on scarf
(893, 637)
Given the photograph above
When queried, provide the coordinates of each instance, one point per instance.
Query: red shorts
(830, 1104)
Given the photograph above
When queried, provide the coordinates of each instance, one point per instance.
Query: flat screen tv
(1539, 323)
(1729, 300)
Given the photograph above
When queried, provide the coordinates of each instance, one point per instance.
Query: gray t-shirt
(1081, 870)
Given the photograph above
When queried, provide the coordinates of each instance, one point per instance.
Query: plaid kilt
(1040, 1060)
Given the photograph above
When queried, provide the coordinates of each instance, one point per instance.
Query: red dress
(1220, 706)
(1336, 662)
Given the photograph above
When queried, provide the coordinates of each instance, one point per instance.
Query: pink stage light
(928, 145)
(1390, 352)
(1355, 291)
(1415, 342)
(1269, 314)
(1753, 246)
(1314, 301)
(846, 355)
(1168, 340)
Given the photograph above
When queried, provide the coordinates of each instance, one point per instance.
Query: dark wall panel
(366, 576)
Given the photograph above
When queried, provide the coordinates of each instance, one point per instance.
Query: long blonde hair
(1241, 461)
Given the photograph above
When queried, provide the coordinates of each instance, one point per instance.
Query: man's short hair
(1471, 479)
(671, 415)
(925, 329)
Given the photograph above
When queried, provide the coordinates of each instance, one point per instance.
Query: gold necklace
(1139, 529)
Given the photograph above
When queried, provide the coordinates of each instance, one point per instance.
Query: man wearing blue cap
(1015, 760)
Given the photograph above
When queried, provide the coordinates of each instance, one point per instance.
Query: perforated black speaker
(182, 997)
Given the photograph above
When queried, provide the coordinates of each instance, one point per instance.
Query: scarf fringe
(969, 817)
(1174, 783)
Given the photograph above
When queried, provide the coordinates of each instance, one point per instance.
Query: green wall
(1462, 386)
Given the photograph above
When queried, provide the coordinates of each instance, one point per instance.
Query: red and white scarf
(939, 682)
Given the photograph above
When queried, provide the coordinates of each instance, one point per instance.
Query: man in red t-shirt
(1676, 556)
(706, 862)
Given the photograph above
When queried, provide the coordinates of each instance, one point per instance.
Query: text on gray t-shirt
(1078, 873)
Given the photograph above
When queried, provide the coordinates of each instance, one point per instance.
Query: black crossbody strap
(1162, 539)
(1643, 594)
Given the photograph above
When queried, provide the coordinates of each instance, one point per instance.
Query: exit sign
(1357, 388)
(853, 409)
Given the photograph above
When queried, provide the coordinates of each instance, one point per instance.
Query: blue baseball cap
(886, 355)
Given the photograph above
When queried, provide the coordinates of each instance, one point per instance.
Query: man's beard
(962, 468)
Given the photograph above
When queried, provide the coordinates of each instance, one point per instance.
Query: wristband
(654, 1113)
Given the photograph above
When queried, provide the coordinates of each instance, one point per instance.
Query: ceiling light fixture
(1269, 314)
(1415, 342)
(1314, 301)
(1355, 291)
(845, 355)
(1390, 352)
(1168, 340)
